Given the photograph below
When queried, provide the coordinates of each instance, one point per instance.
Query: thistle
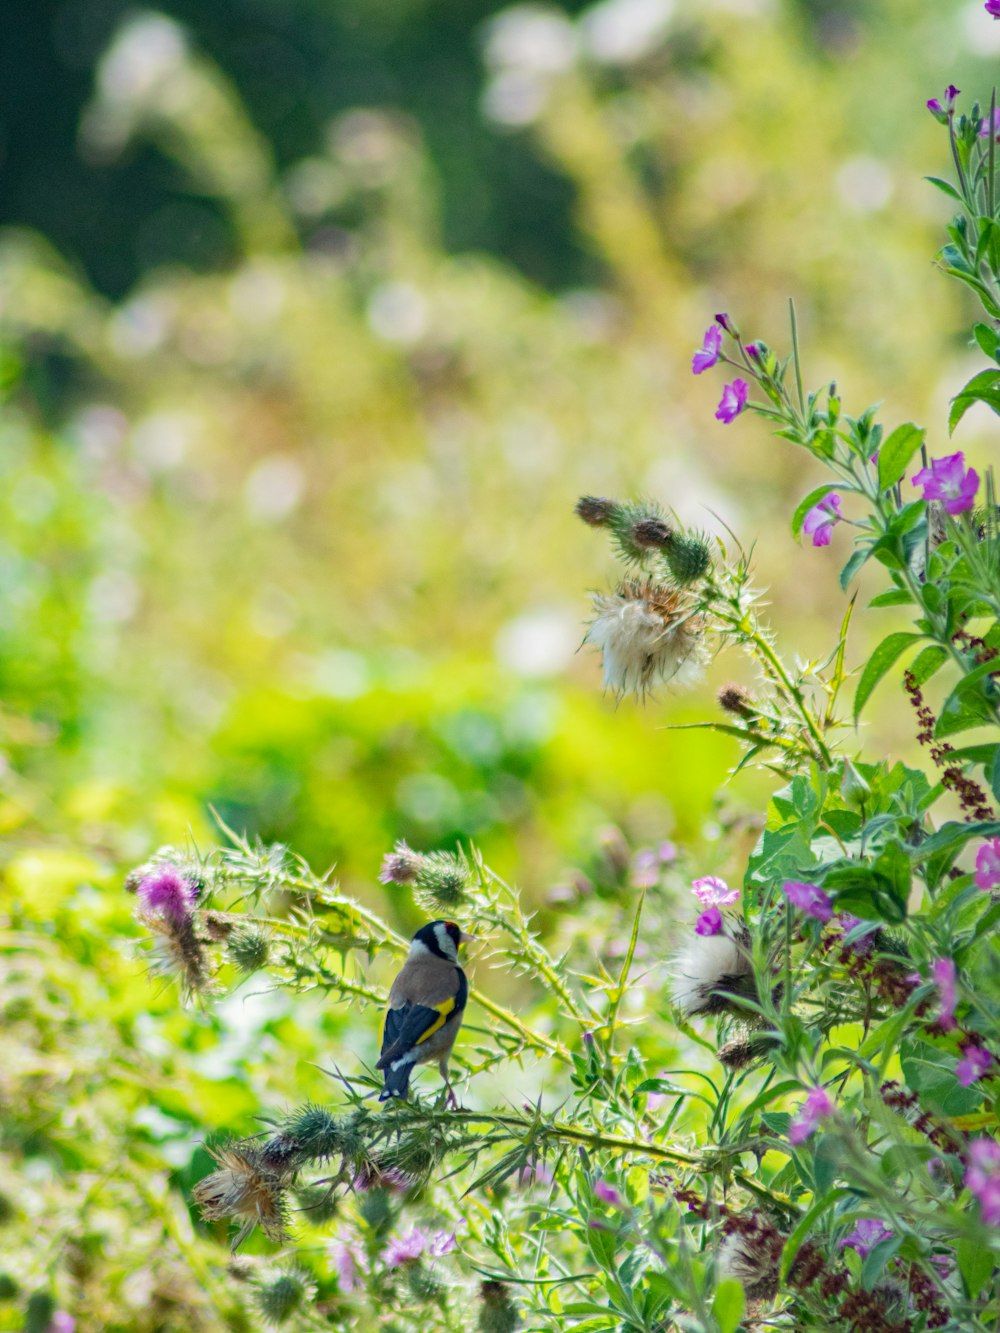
(647, 635)
(244, 1190)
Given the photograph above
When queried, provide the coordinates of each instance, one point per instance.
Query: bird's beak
(465, 938)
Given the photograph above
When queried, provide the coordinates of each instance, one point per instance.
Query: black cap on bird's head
(440, 938)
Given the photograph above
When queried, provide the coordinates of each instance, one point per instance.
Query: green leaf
(894, 597)
(931, 1073)
(805, 1226)
(803, 507)
(975, 1263)
(895, 454)
(729, 1304)
(877, 1258)
(994, 774)
(982, 388)
(888, 651)
(854, 564)
(988, 339)
(946, 188)
(927, 662)
(953, 835)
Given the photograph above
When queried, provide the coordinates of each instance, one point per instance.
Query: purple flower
(819, 521)
(713, 892)
(533, 1173)
(984, 128)
(992, 8)
(400, 866)
(988, 857)
(416, 1243)
(982, 1178)
(348, 1259)
(167, 893)
(944, 974)
(390, 1178)
(725, 322)
(708, 353)
(862, 946)
(975, 1062)
(865, 1236)
(733, 401)
(948, 480)
(816, 1106)
(808, 898)
(61, 1322)
(608, 1194)
(709, 923)
(944, 110)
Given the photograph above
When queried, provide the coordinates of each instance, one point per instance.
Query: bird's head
(440, 938)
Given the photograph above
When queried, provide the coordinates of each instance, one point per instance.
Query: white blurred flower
(618, 32)
(530, 38)
(148, 50)
(864, 184)
(274, 488)
(710, 969)
(647, 636)
(397, 312)
(540, 642)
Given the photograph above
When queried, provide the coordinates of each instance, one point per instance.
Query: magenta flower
(809, 899)
(865, 1236)
(713, 892)
(416, 1243)
(348, 1258)
(733, 401)
(707, 354)
(709, 923)
(389, 1178)
(988, 861)
(61, 1322)
(815, 1108)
(982, 1178)
(992, 8)
(167, 893)
(984, 129)
(819, 522)
(725, 323)
(974, 1064)
(608, 1194)
(948, 106)
(945, 975)
(948, 480)
(863, 944)
(400, 866)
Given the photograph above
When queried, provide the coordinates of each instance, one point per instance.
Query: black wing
(411, 1024)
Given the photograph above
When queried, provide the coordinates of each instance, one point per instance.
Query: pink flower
(988, 859)
(975, 1062)
(713, 892)
(416, 1243)
(948, 480)
(809, 899)
(608, 1194)
(709, 923)
(167, 893)
(865, 1236)
(389, 1178)
(348, 1259)
(400, 866)
(708, 353)
(992, 8)
(943, 111)
(863, 944)
(733, 401)
(820, 520)
(982, 1178)
(816, 1107)
(945, 975)
(984, 129)
(61, 1322)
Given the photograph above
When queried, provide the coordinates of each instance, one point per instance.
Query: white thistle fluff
(647, 635)
(704, 963)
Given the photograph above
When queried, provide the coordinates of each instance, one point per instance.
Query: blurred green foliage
(316, 320)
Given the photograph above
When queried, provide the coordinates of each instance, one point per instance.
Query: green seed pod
(688, 558)
(853, 788)
(278, 1300)
(249, 947)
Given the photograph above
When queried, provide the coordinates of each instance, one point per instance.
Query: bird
(426, 1004)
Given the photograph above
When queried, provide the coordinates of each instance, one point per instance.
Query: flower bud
(853, 788)
(688, 558)
(249, 948)
(737, 700)
(596, 510)
(279, 1300)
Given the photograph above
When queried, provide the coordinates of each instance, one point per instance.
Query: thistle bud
(278, 1300)
(497, 1312)
(423, 1284)
(638, 527)
(443, 879)
(736, 699)
(853, 788)
(688, 558)
(651, 534)
(595, 510)
(249, 948)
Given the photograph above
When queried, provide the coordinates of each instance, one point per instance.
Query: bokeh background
(316, 319)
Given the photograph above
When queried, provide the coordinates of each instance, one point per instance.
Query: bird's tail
(397, 1081)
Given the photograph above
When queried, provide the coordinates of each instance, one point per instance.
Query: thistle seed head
(497, 1312)
(713, 972)
(244, 1190)
(737, 700)
(647, 635)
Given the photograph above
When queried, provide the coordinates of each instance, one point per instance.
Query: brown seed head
(244, 1190)
(736, 699)
(595, 510)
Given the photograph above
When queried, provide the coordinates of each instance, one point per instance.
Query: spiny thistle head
(595, 510)
(688, 558)
(400, 866)
(250, 948)
(443, 879)
(497, 1312)
(314, 1134)
(178, 950)
(244, 1190)
(423, 1284)
(279, 1299)
(737, 700)
(638, 527)
(647, 635)
(375, 1207)
(317, 1203)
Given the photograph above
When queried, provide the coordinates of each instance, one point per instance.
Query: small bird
(426, 1004)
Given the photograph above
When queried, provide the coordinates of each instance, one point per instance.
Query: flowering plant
(774, 1108)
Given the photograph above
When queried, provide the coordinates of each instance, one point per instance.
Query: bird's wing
(409, 1024)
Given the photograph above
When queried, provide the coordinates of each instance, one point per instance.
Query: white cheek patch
(445, 943)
